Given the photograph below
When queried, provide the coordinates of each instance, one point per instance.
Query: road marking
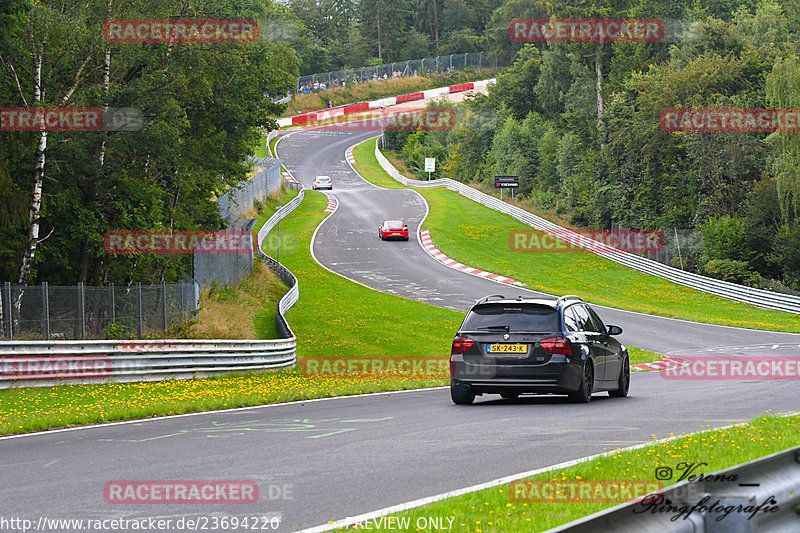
(433, 251)
(350, 520)
(217, 411)
(236, 429)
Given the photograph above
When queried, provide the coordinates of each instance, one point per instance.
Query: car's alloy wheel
(584, 392)
(461, 395)
(624, 381)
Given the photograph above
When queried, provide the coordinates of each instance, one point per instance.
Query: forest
(578, 122)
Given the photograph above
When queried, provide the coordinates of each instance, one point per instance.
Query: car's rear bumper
(558, 378)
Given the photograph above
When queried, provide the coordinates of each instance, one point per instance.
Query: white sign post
(430, 166)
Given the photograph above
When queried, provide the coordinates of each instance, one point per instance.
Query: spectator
(330, 104)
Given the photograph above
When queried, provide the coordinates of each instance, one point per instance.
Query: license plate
(393, 234)
(507, 348)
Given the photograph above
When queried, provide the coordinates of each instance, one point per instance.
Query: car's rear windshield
(394, 224)
(518, 317)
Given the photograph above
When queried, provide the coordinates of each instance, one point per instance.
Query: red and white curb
(332, 202)
(326, 114)
(434, 252)
(668, 362)
(349, 155)
(288, 177)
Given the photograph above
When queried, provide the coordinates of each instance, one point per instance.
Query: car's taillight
(461, 345)
(556, 345)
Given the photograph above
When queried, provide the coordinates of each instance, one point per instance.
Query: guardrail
(48, 363)
(271, 135)
(772, 481)
(284, 273)
(731, 291)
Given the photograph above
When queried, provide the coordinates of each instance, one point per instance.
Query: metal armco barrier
(271, 135)
(284, 273)
(48, 363)
(775, 478)
(732, 291)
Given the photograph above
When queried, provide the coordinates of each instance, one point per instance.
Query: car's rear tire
(624, 381)
(461, 395)
(584, 392)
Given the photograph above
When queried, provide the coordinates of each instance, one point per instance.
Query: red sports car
(393, 229)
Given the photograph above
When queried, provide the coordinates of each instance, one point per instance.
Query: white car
(322, 182)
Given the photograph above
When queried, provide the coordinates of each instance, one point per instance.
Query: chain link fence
(413, 67)
(242, 199)
(53, 312)
(230, 268)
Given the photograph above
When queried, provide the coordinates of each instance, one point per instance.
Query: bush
(727, 237)
(731, 270)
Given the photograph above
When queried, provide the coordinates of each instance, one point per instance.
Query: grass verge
(352, 330)
(348, 331)
(522, 506)
(478, 236)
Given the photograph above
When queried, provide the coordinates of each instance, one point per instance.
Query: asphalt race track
(343, 457)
